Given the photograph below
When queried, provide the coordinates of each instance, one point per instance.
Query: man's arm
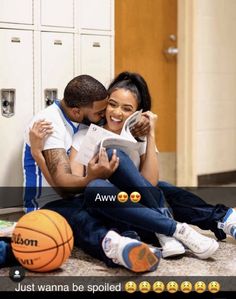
(59, 167)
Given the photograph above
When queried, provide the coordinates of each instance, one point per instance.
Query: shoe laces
(193, 238)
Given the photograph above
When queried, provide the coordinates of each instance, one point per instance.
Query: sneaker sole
(139, 258)
(173, 252)
(206, 254)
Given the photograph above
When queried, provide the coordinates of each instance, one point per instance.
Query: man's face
(95, 113)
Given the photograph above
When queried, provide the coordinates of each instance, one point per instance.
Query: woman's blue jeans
(148, 214)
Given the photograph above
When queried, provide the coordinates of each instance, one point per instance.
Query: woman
(129, 93)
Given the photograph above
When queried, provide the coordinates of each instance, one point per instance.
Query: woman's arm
(40, 130)
(149, 166)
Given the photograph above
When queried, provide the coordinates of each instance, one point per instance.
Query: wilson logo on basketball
(17, 239)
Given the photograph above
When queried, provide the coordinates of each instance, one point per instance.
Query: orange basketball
(42, 240)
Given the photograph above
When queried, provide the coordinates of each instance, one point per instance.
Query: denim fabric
(88, 231)
(185, 206)
(190, 208)
(3, 253)
(7, 258)
(135, 215)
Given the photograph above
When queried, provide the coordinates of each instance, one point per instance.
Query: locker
(16, 90)
(95, 14)
(16, 11)
(57, 63)
(57, 13)
(96, 57)
(37, 63)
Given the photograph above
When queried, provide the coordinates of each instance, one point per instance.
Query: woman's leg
(140, 216)
(134, 214)
(128, 178)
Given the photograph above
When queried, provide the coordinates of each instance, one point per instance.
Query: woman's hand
(40, 130)
(141, 128)
(152, 121)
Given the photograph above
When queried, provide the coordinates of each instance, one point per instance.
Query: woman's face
(121, 104)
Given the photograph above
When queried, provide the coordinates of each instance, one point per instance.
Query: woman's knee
(119, 153)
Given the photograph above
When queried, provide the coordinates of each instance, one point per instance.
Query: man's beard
(87, 122)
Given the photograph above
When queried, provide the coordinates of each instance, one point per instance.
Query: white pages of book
(98, 137)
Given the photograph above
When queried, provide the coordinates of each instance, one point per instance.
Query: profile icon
(17, 274)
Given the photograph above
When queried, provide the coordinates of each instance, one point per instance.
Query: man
(84, 101)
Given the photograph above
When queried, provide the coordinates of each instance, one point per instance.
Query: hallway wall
(215, 79)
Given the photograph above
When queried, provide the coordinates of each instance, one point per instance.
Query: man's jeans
(190, 208)
(88, 231)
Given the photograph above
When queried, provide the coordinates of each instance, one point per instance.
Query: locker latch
(8, 102)
(50, 95)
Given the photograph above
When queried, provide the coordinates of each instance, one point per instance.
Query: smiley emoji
(144, 287)
(135, 197)
(122, 196)
(172, 286)
(186, 287)
(158, 286)
(130, 287)
(214, 286)
(200, 286)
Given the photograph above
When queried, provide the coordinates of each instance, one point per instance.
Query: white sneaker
(229, 223)
(170, 246)
(130, 253)
(201, 246)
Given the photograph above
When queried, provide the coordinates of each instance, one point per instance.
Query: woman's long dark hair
(136, 85)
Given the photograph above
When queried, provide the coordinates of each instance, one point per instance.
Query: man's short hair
(83, 90)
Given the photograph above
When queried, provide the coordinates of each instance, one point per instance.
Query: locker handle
(57, 42)
(50, 95)
(96, 45)
(15, 40)
(8, 102)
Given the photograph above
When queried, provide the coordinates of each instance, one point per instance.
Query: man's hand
(142, 128)
(101, 167)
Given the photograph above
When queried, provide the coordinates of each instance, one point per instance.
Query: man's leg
(7, 258)
(104, 243)
(190, 208)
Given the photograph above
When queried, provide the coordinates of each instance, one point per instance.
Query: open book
(97, 137)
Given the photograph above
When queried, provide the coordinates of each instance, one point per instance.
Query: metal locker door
(17, 101)
(96, 57)
(95, 14)
(15, 11)
(59, 13)
(57, 64)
